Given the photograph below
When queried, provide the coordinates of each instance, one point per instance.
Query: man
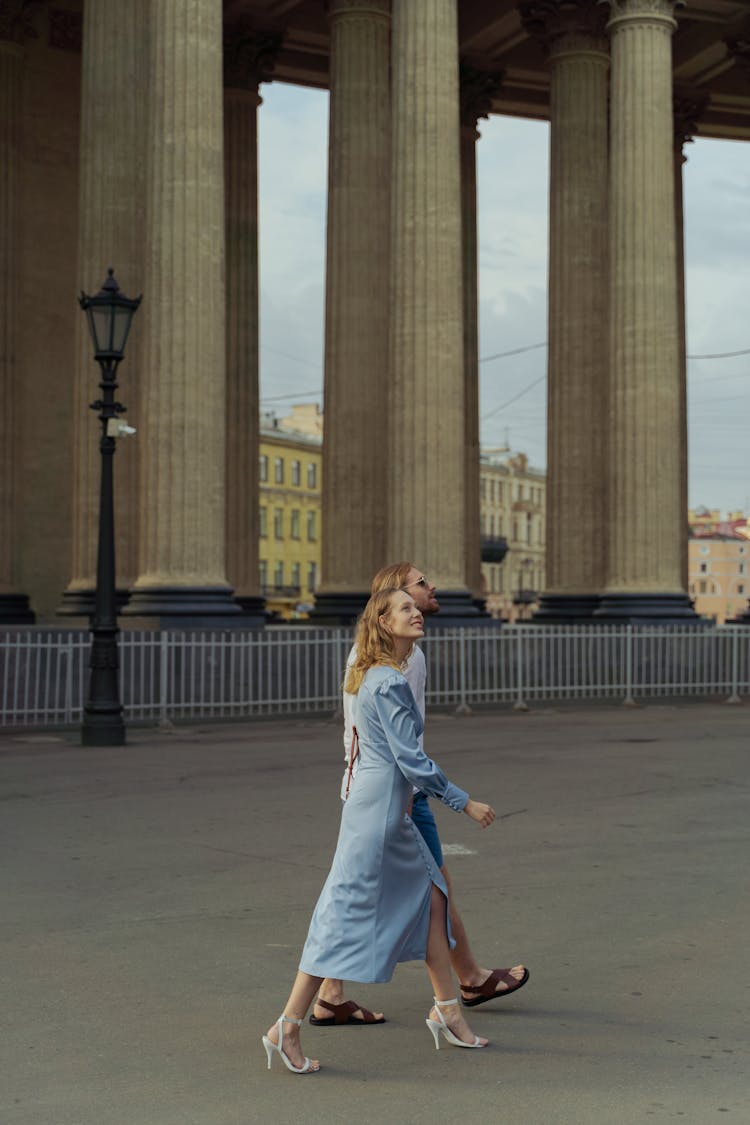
(478, 984)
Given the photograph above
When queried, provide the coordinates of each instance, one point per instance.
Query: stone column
(355, 494)
(248, 60)
(182, 553)
(14, 606)
(477, 89)
(578, 52)
(426, 480)
(687, 110)
(111, 212)
(644, 570)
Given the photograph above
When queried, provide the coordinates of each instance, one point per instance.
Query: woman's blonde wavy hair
(373, 642)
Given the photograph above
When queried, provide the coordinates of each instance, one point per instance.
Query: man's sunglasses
(420, 582)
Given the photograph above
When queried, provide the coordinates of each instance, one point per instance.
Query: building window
(278, 470)
(740, 587)
(296, 575)
(263, 573)
(742, 568)
(704, 568)
(278, 523)
(311, 527)
(263, 522)
(702, 586)
(263, 467)
(311, 576)
(312, 475)
(294, 529)
(278, 574)
(296, 472)
(704, 549)
(528, 527)
(483, 489)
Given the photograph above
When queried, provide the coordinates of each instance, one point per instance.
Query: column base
(15, 610)
(741, 618)
(566, 609)
(197, 607)
(254, 612)
(338, 609)
(458, 608)
(80, 603)
(646, 609)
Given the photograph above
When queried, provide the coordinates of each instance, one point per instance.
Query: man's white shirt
(416, 677)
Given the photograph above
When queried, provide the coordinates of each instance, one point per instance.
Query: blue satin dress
(374, 909)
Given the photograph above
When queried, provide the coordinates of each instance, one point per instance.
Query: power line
(515, 398)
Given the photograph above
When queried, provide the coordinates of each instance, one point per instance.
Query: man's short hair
(394, 575)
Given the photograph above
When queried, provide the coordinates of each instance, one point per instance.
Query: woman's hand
(482, 814)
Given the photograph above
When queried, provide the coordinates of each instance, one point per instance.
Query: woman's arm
(395, 707)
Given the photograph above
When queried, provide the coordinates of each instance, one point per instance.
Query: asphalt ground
(155, 899)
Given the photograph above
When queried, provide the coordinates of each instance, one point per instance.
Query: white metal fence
(298, 670)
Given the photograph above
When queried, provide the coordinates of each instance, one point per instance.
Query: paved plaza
(155, 899)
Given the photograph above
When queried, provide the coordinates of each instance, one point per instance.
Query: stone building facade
(513, 523)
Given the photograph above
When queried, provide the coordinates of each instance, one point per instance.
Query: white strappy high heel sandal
(278, 1047)
(439, 1025)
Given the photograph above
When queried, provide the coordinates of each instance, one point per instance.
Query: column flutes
(426, 482)
(644, 569)
(477, 89)
(111, 216)
(182, 544)
(14, 606)
(248, 60)
(576, 514)
(355, 434)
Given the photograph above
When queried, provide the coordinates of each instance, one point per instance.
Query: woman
(384, 900)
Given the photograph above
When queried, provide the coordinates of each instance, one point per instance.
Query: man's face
(422, 590)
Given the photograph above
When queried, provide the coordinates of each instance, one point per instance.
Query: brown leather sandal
(489, 991)
(343, 1014)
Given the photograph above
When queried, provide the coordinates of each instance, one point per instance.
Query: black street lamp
(109, 314)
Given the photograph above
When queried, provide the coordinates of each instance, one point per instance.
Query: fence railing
(298, 669)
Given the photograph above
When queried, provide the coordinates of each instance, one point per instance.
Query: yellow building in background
(290, 511)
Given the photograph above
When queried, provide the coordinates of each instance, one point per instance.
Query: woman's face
(403, 620)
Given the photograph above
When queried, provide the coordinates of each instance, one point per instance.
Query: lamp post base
(100, 728)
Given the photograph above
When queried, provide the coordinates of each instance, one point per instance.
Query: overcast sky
(512, 215)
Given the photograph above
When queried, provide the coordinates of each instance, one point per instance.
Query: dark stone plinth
(187, 607)
(338, 608)
(647, 609)
(15, 610)
(459, 609)
(566, 609)
(80, 603)
(741, 618)
(254, 612)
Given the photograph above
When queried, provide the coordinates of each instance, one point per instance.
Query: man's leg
(332, 991)
(465, 965)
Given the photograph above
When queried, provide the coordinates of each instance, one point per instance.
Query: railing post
(164, 720)
(629, 701)
(463, 707)
(520, 704)
(735, 635)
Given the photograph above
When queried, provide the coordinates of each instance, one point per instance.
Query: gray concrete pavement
(155, 899)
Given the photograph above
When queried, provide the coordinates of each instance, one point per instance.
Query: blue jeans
(421, 814)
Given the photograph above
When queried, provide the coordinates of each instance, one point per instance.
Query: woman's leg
(300, 998)
(439, 967)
